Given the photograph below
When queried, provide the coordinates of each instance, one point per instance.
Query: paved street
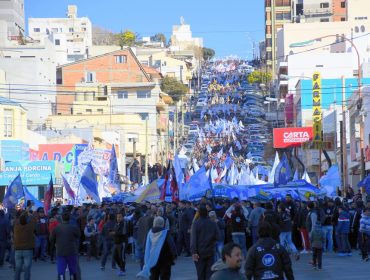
(334, 268)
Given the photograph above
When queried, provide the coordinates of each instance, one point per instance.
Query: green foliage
(126, 38)
(159, 37)
(208, 53)
(259, 77)
(173, 88)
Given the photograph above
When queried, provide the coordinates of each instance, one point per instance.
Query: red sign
(292, 136)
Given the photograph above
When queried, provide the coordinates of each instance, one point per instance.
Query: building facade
(29, 69)
(72, 35)
(12, 11)
(277, 12)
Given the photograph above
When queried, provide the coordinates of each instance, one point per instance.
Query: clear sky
(226, 26)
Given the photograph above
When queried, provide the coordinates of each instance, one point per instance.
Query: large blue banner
(33, 173)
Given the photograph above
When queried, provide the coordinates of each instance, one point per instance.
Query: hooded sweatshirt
(221, 271)
(365, 223)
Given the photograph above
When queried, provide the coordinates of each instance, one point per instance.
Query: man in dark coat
(65, 237)
(267, 259)
(186, 215)
(204, 234)
(144, 225)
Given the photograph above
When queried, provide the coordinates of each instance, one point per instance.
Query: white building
(313, 11)
(12, 11)
(30, 75)
(182, 38)
(72, 35)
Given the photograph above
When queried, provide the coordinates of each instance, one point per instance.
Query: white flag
(272, 173)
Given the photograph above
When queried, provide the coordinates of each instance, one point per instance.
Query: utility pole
(167, 139)
(175, 131)
(122, 139)
(344, 136)
(146, 150)
(182, 117)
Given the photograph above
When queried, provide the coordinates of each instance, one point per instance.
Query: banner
(316, 108)
(291, 136)
(33, 173)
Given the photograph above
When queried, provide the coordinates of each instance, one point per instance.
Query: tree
(173, 88)
(208, 53)
(259, 77)
(159, 37)
(101, 36)
(126, 38)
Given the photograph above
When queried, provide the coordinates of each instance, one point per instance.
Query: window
(36, 29)
(55, 30)
(324, 5)
(122, 94)
(57, 42)
(71, 29)
(143, 94)
(324, 20)
(343, 4)
(8, 123)
(84, 29)
(100, 111)
(120, 59)
(89, 111)
(343, 19)
(90, 77)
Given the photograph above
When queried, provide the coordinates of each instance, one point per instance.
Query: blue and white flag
(365, 183)
(197, 186)
(90, 182)
(296, 175)
(306, 177)
(68, 188)
(283, 172)
(331, 181)
(273, 170)
(179, 173)
(14, 193)
(30, 196)
(114, 180)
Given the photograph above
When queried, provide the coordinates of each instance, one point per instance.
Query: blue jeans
(139, 253)
(344, 246)
(41, 245)
(328, 238)
(219, 245)
(107, 250)
(254, 234)
(286, 241)
(239, 238)
(23, 259)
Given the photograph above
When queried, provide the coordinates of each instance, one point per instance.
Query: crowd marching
(227, 238)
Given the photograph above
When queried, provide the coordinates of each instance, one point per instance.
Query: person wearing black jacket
(327, 226)
(267, 259)
(286, 230)
(238, 227)
(186, 215)
(120, 241)
(108, 240)
(204, 234)
(300, 222)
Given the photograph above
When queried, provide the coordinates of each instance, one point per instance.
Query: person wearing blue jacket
(365, 234)
(342, 230)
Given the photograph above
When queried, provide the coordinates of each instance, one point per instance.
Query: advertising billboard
(33, 173)
(66, 154)
(13, 150)
(316, 108)
(292, 136)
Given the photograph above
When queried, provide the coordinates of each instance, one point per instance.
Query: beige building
(13, 124)
(166, 65)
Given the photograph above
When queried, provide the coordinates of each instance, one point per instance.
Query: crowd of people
(219, 235)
